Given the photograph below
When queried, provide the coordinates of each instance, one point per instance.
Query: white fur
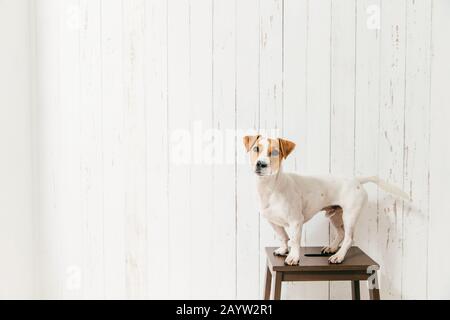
(289, 200)
(263, 156)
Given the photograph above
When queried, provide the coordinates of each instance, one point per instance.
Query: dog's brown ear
(249, 142)
(286, 147)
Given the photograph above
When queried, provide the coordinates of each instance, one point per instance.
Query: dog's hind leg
(350, 217)
(335, 216)
(346, 244)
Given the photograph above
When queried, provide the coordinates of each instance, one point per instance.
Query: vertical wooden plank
(73, 224)
(247, 115)
(16, 199)
(180, 146)
(91, 152)
(367, 101)
(417, 118)
(136, 150)
(318, 118)
(271, 95)
(271, 67)
(295, 40)
(342, 104)
(47, 21)
(295, 27)
(114, 152)
(34, 157)
(201, 86)
(224, 185)
(157, 142)
(391, 143)
(342, 87)
(438, 279)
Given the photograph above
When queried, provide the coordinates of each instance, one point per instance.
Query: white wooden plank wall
(201, 84)
(114, 155)
(123, 86)
(439, 169)
(156, 34)
(180, 176)
(17, 239)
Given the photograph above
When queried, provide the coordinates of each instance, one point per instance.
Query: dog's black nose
(261, 165)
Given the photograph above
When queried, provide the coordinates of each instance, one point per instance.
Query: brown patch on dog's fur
(250, 141)
(332, 210)
(286, 147)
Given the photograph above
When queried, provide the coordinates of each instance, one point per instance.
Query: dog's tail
(385, 186)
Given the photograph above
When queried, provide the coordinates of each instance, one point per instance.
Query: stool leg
(374, 294)
(356, 292)
(374, 291)
(268, 285)
(277, 288)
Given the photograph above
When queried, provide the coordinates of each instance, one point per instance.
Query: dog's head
(266, 155)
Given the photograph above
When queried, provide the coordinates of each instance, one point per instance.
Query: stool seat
(313, 260)
(314, 266)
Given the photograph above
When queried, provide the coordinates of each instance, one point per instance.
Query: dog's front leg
(284, 238)
(293, 258)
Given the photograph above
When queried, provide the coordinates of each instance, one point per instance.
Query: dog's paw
(292, 260)
(329, 250)
(337, 258)
(281, 252)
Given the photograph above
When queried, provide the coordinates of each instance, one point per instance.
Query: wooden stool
(314, 266)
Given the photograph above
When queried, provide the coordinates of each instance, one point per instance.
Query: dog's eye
(275, 153)
(256, 149)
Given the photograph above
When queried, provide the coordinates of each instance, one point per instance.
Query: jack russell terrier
(288, 200)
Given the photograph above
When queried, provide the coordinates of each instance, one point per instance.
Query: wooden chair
(314, 266)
